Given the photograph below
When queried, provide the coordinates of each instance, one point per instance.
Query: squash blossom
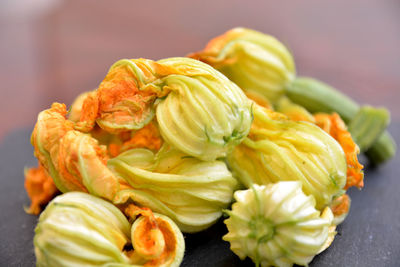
(278, 225)
(190, 191)
(147, 137)
(335, 127)
(257, 62)
(198, 109)
(278, 149)
(76, 162)
(78, 229)
(181, 103)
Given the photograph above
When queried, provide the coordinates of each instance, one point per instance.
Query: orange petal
(89, 113)
(147, 237)
(210, 52)
(148, 137)
(170, 244)
(341, 205)
(133, 211)
(75, 159)
(335, 126)
(40, 188)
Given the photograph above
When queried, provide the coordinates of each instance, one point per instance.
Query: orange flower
(335, 126)
(40, 188)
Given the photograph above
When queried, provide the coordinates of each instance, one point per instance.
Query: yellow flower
(277, 225)
(190, 191)
(278, 149)
(257, 62)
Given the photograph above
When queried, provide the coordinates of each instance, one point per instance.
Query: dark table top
(370, 235)
(51, 50)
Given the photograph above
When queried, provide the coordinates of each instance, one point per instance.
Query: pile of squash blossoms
(165, 147)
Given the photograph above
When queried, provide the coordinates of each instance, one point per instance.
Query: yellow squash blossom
(189, 191)
(198, 109)
(257, 62)
(277, 225)
(279, 149)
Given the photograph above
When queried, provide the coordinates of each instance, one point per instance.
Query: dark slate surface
(370, 236)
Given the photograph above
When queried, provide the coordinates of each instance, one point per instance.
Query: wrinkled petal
(40, 188)
(74, 160)
(333, 124)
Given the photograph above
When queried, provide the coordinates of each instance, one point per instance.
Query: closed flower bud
(205, 115)
(277, 225)
(189, 191)
(278, 149)
(257, 62)
(77, 229)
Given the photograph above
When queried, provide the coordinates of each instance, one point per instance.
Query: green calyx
(261, 229)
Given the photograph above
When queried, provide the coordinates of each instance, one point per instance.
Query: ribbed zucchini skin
(368, 124)
(382, 150)
(317, 96)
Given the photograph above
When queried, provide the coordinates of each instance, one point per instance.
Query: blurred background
(51, 50)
